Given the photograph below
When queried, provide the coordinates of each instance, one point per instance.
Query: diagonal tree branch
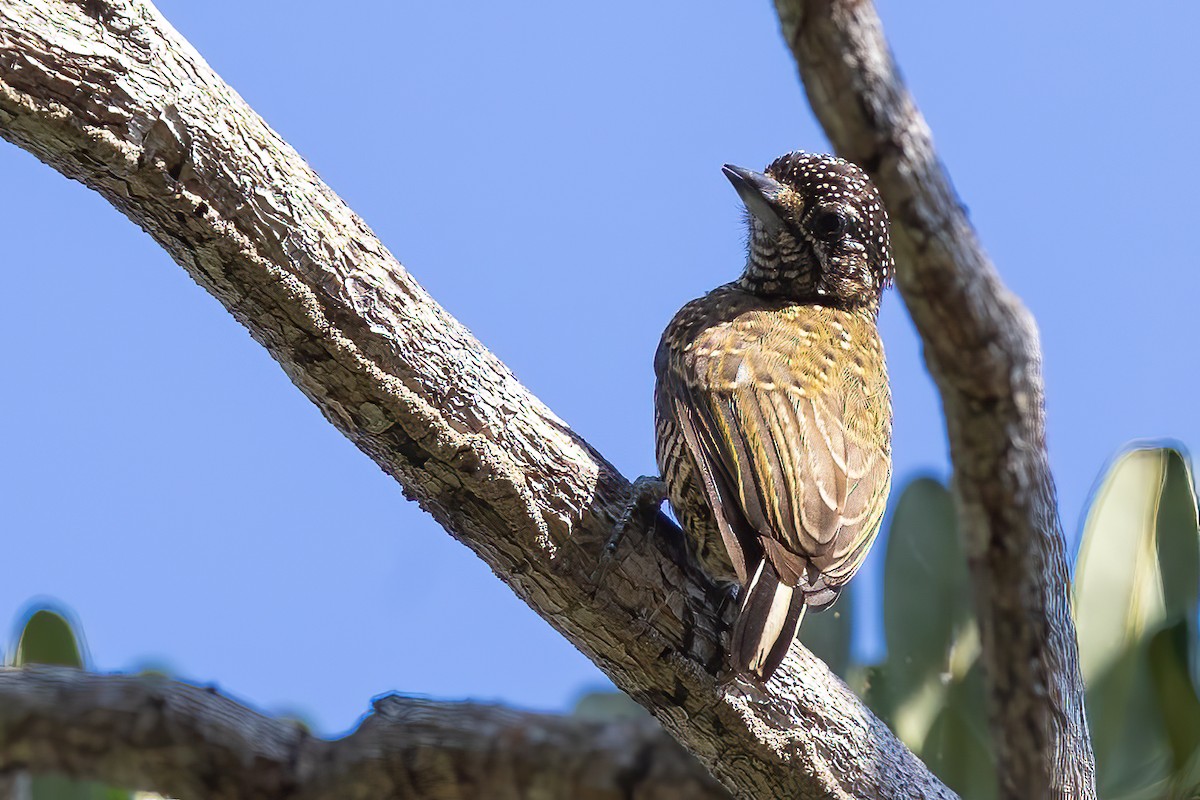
(188, 741)
(107, 93)
(982, 348)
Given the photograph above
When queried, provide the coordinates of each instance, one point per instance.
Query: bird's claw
(645, 498)
(641, 511)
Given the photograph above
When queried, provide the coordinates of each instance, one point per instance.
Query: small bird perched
(772, 413)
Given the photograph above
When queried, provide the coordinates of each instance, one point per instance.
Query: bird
(773, 419)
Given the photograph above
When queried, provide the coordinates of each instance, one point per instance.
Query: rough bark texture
(190, 742)
(107, 93)
(982, 348)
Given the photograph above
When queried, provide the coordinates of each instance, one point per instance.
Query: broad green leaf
(1128, 734)
(957, 745)
(1186, 784)
(827, 633)
(927, 607)
(608, 705)
(48, 638)
(1176, 694)
(1118, 590)
(1138, 572)
(59, 787)
(1178, 539)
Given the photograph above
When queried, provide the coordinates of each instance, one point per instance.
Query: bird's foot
(645, 499)
(641, 512)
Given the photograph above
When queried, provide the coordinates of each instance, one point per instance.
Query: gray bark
(148, 732)
(981, 345)
(107, 93)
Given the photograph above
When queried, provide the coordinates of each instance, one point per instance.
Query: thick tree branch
(106, 92)
(151, 732)
(981, 345)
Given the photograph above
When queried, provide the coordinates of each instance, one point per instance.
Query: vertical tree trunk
(982, 349)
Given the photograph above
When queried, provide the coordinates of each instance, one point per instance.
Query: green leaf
(48, 638)
(1186, 784)
(1176, 694)
(59, 787)
(1138, 572)
(1119, 587)
(827, 633)
(957, 747)
(1178, 539)
(927, 609)
(607, 706)
(1128, 734)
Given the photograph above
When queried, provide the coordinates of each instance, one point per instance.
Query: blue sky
(550, 172)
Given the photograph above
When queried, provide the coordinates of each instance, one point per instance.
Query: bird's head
(818, 231)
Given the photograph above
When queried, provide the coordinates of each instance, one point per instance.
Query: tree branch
(151, 732)
(107, 93)
(982, 348)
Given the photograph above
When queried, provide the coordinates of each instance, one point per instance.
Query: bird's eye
(829, 225)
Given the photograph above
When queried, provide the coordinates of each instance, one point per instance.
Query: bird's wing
(794, 451)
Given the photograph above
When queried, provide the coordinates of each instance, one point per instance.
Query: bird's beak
(761, 194)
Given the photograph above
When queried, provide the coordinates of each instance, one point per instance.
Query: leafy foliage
(1137, 601)
(1137, 595)
(48, 637)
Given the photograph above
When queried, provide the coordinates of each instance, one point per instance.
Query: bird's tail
(767, 623)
